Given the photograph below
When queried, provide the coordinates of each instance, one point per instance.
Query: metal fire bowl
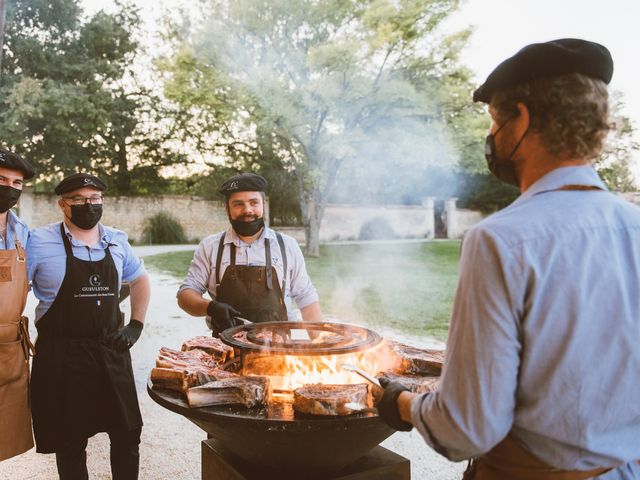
(272, 437)
(343, 338)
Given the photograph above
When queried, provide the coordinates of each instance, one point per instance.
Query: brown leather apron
(510, 460)
(15, 414)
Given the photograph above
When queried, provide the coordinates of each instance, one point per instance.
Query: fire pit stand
(218, 463)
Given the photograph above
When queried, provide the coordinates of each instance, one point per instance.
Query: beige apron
(509, 460)
(15, 414)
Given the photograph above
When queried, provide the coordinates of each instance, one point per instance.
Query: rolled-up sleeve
(301, 289)
(474, 406)
(200, 270)
(132, 265)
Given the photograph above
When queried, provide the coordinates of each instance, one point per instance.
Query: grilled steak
(322, 399)
(415, 383)
(220, 351)
(417, 361)
(168, 358)
(181, 370)
(247, 391)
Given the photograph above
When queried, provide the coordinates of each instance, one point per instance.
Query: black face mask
(503, 169)
(247, 229)
(8, 197)
(86, 216)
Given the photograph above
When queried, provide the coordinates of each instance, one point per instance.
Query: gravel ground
(170, 446)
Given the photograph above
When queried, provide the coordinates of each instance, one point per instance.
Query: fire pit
(274, 436)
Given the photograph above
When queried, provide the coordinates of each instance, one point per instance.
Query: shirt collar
(13, 219)
(105, 235)
(232, 237)
(559, 177)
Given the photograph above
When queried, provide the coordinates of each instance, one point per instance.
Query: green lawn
(406, 286)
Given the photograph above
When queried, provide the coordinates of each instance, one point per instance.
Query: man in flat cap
(249, 270)
(15, 416)
(542, 365)
(82, 382)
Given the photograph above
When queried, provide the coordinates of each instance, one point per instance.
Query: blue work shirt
(545, 332)
(47, 259)
(16, 228)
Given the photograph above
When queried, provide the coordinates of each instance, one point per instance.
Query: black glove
(388, 405)
(124, 339)
(222, 315)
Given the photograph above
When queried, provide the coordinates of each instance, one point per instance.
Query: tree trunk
(312, 230)
(3, 16)
(123, 181)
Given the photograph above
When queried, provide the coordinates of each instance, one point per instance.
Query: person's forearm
(140, 295)
(193, 303)
(311, 313)
(404, 405)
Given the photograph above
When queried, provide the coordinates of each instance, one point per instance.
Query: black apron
(80, 386)
(253, 290)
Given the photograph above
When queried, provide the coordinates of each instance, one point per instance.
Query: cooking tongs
(362, 373)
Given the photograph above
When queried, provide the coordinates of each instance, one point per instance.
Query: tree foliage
(339, 99)
(70, 96)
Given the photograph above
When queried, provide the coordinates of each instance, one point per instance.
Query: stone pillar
(430, 227)
(451, 217)
(25, 207)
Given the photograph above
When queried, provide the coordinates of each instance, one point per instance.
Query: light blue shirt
(545, 332)
(201, 276)
(47, 259)
(16, 228)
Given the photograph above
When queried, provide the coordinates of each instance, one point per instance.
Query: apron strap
(267, 257)
(219, 259)
(284, 263)
(22, 257)
(65, 240)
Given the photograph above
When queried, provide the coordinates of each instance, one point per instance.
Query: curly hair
(569, 112)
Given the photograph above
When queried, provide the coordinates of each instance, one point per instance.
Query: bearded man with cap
(15, 415)
(542, 365)
(82, 380)
(249, 270)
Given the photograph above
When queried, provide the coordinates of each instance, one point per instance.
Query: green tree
(333, 90)
(70, 96)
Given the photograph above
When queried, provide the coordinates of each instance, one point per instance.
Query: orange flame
(288, 372)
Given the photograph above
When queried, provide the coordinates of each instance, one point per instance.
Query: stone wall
(200, 217)
(357, 222)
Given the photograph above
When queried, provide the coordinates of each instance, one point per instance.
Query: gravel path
(170, 446)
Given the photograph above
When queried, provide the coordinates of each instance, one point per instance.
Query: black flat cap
(14, 161)
(243, 182)
(549, 59)
(79, 180)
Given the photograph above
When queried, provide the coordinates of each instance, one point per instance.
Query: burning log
(211, 345)
(334, 400)
(247, 391)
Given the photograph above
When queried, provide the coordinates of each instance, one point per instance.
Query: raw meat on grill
(248, 391)
(415, 383)
(323, 399)
(220, 351)
(168, 358)
(182, 379)
(417, 361)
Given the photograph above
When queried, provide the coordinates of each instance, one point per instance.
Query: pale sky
(502, 27)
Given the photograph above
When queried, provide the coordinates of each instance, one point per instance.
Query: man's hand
(388, 405)
(222, 315)
(124, 339)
